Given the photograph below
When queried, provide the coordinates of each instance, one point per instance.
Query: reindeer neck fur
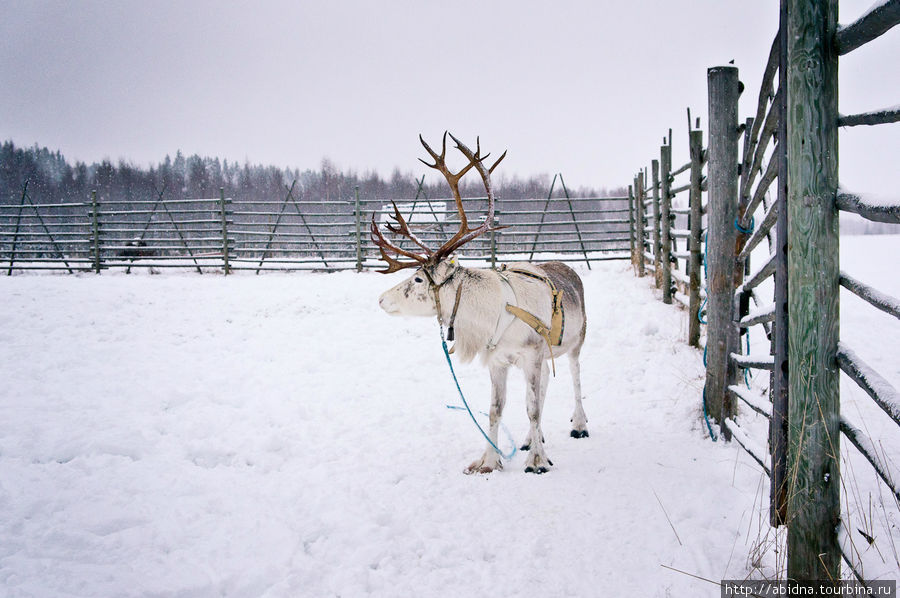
(478, 310)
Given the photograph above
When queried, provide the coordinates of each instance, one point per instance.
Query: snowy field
(278, 435)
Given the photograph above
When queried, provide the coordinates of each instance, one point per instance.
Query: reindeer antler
(386, 247)
(464, 234)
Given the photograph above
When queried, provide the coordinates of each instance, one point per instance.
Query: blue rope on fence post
(712, 434)
(746, 231)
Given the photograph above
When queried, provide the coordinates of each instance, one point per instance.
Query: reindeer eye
(418, 279)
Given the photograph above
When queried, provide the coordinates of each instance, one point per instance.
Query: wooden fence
(224, 235)
(789, 145)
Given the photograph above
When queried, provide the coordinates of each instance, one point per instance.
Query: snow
(279, 435)
(758, 314)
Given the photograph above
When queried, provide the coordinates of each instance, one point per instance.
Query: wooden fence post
(359, 230)
(494, 234)
(224, 231)
(641, 225)
(813, 284)
(95, 230)
(654, 166)
(721, 339)
(696, 227)
(640, 194)
(632, 228)
(778, 426)
(665, 224)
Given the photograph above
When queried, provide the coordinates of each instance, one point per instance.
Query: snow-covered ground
(279, 435)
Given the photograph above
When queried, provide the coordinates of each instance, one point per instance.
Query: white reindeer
(546, 317)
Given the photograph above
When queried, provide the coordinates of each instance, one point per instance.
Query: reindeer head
(418, 294)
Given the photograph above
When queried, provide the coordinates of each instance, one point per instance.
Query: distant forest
(52, 179)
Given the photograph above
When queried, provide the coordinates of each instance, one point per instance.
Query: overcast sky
(587, 88)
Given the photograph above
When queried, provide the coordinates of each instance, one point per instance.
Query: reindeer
(500, 315)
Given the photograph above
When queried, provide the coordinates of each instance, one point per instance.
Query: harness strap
(538, 326)
(450, 335)
(435, 289)
(504, 318)
(558, 315)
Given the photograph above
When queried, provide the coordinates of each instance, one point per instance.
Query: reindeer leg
(538, 377)
(579, 419)
(490, 460)
(545, 380)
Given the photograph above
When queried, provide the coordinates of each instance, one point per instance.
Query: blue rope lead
(747, 370)
(461, 396)
(506, 431)
(746, 231)
(706, 417)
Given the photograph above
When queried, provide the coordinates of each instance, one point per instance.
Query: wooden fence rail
(223, 234)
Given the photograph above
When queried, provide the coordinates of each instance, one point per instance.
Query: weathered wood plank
(868, 449)
(641, 225)
(762, 229)
(696, 227)
(680, 169)
(759, 275)
(665, 224)
(755, 402)
(676, 190)
(654, 202)
(882, 301)
(765, 314)
(875, 117)
(882, 392)
(759, 194)
(868, 27)
(768, 134)
(813, 291)
(778, 423)
(754, 362)
(722, 334)
(850, 202)
(748, 444)
(632, 228)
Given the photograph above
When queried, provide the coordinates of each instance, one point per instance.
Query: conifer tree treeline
(52, 179)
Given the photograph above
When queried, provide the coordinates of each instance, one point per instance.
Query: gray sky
(587, 88)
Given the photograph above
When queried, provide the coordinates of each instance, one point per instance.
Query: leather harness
(552, 334)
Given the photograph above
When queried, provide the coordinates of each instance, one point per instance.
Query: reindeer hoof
(483, 465)
(527, 445)
(579, 434)
(538, 464)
